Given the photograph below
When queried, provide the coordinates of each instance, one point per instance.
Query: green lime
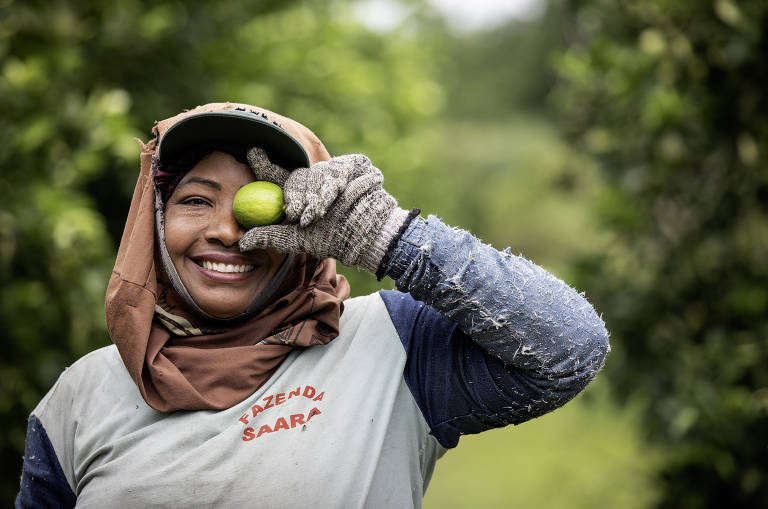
(258, 203)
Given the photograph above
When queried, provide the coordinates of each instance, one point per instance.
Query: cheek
(181, 231)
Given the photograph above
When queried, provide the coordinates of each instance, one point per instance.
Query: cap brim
(235, 127)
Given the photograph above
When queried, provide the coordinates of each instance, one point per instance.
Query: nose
(224, 228)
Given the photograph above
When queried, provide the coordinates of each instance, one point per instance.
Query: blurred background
(620, 144)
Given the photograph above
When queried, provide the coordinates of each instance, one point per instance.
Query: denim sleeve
(494, 321)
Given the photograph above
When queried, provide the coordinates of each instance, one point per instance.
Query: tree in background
(80, 80)
(670, 97)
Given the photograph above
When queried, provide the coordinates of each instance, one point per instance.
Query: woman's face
(201, 234)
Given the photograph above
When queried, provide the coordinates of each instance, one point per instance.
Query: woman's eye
(195, 201)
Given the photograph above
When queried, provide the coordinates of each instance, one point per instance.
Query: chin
(222, 304)
(219, 312)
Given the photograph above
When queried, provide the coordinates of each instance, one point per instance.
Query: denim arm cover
(500, 340)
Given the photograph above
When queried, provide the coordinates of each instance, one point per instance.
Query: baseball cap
(235, 126)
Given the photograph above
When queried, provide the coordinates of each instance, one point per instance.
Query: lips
(224, 267)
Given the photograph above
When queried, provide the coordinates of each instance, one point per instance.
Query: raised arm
(518, 341)
(499, 341)
(511, 307)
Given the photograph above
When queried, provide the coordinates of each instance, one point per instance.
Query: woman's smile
(224, 268)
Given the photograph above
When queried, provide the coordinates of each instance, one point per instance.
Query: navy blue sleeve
(459, 388)
(43, 483)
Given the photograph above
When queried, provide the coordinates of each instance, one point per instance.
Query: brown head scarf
(180, 361)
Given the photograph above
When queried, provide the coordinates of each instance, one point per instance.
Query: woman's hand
(340, 207)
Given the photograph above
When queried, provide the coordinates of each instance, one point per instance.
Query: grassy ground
(588, 454)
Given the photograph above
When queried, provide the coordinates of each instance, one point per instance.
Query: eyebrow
(200, 180)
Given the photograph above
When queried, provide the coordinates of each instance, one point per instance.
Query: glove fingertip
(264, 169)
(306, 219)
(250, 239)
(294, 211)
(261, 237)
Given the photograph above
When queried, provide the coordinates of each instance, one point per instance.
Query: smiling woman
(238, 355)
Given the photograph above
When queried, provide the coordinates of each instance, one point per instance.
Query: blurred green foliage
(670, 98)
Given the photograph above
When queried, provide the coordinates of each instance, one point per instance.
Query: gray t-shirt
(335, 426)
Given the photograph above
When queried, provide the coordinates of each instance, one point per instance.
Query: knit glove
(340, 207)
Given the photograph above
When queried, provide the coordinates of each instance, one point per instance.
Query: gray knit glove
(340, 207)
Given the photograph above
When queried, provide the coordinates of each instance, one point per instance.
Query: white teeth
(226, 267)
